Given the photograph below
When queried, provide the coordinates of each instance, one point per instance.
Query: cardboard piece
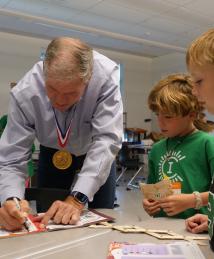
(157, 191)
(157, 233)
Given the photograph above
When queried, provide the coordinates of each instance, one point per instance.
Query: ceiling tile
(4, 3)
(153, 34)
(137, 48)
(42, 9)
(204, 7)
(19, 25)
(178, 2)
(151, 6)
(91, 20)
(138, 31)
(162, 24)
(184, 15)
(184, 39)
(79, 5)
(118, 12)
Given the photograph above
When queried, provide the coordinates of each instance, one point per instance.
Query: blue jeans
(49, 176)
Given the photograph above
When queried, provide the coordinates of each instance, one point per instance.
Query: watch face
(82, 198)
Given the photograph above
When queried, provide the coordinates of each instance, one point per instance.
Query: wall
(137, 84)
(19, 53)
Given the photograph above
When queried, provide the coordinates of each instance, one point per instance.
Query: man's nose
(61, 99)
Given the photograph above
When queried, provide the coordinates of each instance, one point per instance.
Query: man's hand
(11, 218)
(64, 212)
(197, 223)
(151, 207)
(177, 203)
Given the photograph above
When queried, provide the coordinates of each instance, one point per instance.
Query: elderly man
(71, 103)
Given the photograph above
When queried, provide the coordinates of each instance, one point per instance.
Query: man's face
(203, 78)
(64, 94)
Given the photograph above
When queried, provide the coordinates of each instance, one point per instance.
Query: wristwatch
(80, 197)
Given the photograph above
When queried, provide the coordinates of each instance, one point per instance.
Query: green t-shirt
(188, 160)
(211, 214)
(3, 123)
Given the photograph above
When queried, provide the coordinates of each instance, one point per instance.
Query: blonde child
(200, 63)
(185, 155)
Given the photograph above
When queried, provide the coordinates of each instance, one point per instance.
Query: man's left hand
(63, 212)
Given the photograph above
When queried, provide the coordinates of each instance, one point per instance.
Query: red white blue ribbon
(62, 136)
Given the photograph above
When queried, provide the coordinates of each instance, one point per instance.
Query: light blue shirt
(96, 129)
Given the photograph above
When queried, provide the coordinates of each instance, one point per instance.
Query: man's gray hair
(68, 59)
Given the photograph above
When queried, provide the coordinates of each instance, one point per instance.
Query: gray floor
(130, 199)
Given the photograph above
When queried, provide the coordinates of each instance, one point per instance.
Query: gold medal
(62, 159)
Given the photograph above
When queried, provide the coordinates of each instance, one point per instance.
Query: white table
(89, 243)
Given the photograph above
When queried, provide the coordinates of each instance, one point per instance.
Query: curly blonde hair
(201, 50)
(173, 95)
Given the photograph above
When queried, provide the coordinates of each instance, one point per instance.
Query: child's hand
(151, 207)
(197, 223)
(177, 203)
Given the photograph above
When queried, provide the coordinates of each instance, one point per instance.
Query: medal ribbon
(62, 137)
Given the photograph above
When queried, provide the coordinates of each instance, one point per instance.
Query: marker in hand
(27, 223)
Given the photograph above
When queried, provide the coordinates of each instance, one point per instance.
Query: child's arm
(177, 203)
(151, 207)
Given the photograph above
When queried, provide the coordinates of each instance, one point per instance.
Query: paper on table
(88, 217)
(34, 229)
